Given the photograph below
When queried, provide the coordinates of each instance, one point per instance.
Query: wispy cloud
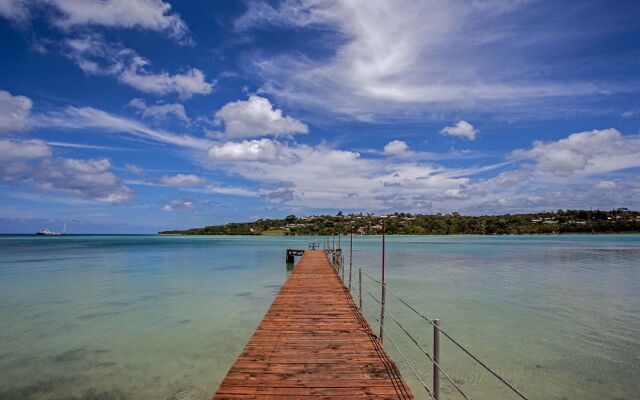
(95, 56)
(160, 111)
(410, 56)
(88, 117)
(154, 15)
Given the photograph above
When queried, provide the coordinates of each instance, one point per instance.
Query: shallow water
(138, 317)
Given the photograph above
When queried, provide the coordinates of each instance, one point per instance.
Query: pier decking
(313, 343)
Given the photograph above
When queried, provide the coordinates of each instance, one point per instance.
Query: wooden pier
(313, 343)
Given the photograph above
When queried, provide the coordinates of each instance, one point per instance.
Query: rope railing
(440, 330)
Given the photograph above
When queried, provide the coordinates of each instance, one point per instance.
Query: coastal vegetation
(619, 220)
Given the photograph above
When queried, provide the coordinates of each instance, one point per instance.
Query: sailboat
(47, 232)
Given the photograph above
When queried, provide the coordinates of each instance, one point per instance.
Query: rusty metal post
(383, 286)
(360, 287)
(350, 257)
(340, 260)
(436, 359)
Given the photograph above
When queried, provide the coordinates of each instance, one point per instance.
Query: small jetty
(313, 343)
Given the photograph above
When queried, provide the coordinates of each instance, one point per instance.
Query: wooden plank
(313, 343)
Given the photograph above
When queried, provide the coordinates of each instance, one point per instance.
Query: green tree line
(560, 221)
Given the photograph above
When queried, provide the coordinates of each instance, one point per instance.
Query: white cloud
(512, 177)
(584, 153)
(257, 117)
(461, 129)
(155, 15)
(318, 176)
(262, 150)
(398, 148)
(30, 163)
(134, 169)
(414, 55)
(160, 111)
(461, 193)
(606, 185)
(193, 82)
(11, 150)
(88, 117)
(179, 205)
(14, 112)
(95, 56)
(183, 180)
(630, 114)
(16, 10)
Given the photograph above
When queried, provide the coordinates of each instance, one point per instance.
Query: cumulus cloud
(257, 117)
(94, 56)
(11, 150)
(584, 153)
(30, 163)
(160, 111)
(14, 112)
(183, 180)
(461, 129)
(262, 150)
(179, 205)
(398, 148)
(317, 176)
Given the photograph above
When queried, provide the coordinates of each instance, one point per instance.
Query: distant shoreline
(408, 234)
(616, 221)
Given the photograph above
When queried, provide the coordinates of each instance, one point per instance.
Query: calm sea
(141, 317)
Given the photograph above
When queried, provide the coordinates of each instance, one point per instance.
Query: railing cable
(424, 385)
(430, 321)
(422, 349)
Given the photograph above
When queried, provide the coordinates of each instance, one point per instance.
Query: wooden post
(290, 257)
(436, 359)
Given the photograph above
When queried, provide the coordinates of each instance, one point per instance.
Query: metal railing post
(360, 287)
(383, 286)
(350, 257)
(436, 359)
(341, 266)
(384, 291)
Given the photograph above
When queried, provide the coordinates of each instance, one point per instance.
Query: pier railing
(355, 287)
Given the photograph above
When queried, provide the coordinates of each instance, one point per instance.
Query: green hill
(562, 221)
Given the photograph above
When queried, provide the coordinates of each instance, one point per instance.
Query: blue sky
(141, 115)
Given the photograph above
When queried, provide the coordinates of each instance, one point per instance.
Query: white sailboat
(47, 232)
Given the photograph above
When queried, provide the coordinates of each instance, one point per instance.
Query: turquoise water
(139, 317)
